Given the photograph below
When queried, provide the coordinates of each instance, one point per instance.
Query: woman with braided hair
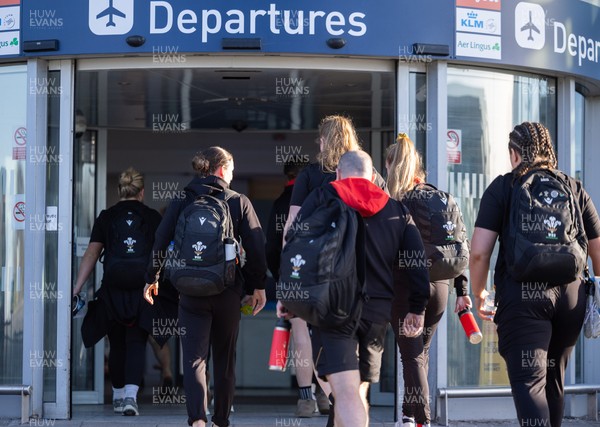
(539, 321)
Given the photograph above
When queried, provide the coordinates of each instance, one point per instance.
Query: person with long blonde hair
(337, 136)
(405, 172)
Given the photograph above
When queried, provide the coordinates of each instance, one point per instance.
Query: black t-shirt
(125, 304)
(313, 176)
(102, 225)
(495, 204)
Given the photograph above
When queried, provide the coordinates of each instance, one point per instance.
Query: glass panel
(483, 107)
(13, 152)
(84, 213)
(577, 147)
(176, 100)
(50, 159)
(418, 124)
(577, 171)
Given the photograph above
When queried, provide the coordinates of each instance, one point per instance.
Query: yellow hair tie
(402, 135)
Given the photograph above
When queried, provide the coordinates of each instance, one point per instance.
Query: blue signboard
(283, 26)
(558, 35)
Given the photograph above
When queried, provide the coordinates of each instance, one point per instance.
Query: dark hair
(206, 162)
(534, 144)
(292, 169)
(131, 182)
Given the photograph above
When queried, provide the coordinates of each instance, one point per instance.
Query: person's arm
(482, 245)
(88, 263)
(273, 245)
(594, 252)
(163, 236)
(292, 214)
(301, 190)
(418, 278)
(255, 269)
(463, 300)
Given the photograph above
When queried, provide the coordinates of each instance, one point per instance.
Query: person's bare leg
(163, 355)
(303, 362)
(349, 408)
(302, 352)
(364, 390)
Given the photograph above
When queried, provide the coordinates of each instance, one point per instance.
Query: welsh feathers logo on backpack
(440, 222)
(128, 249)
(545, 240)
(322, 273)
(203, 229)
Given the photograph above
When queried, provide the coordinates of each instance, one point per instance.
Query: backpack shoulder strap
(361, 255)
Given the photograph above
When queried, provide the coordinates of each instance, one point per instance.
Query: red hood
(361, 194)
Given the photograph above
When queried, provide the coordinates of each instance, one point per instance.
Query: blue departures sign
(560, 35)
(102, 26)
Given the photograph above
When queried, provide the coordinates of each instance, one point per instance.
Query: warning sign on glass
(454, 146)
(20, 141)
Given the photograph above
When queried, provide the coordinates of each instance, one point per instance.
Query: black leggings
(127, 354)
(210, 321)
(537, 330)
(414, 352)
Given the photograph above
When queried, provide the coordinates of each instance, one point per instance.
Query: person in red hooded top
(389, 230)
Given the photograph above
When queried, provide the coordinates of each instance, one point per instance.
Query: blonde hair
(339, 136)
(405, 166)
(131, 182)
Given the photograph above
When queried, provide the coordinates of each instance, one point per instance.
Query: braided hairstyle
(534, 144)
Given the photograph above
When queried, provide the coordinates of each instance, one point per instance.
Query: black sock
(305, 393)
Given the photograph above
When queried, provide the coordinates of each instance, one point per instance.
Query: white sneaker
(406, 422)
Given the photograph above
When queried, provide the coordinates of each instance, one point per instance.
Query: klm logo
(471, 21)
(110, 17)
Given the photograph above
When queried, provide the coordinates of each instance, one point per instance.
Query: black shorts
(350, 348)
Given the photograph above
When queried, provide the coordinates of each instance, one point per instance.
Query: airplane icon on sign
(111, 12)
(531, 27)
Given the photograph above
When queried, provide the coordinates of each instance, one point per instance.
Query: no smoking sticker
(21, 136)
(18, 212)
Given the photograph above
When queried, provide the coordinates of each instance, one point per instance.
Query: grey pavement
(246, 415)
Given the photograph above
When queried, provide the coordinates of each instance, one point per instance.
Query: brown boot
(305, 408)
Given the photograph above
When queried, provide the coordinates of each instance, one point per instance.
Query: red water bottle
(469, 324)
(279, 345)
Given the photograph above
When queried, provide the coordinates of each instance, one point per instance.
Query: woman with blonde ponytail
(405, 172)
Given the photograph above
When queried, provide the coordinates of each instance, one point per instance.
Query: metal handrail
(444, 393)
(24, 391)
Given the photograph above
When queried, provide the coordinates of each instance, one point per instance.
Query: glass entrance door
(263, 111)
(13, 80)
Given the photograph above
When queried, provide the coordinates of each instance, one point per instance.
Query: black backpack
(322, 273)
(545, 239)
(443, 231)
(197, 266)
(128, 249)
